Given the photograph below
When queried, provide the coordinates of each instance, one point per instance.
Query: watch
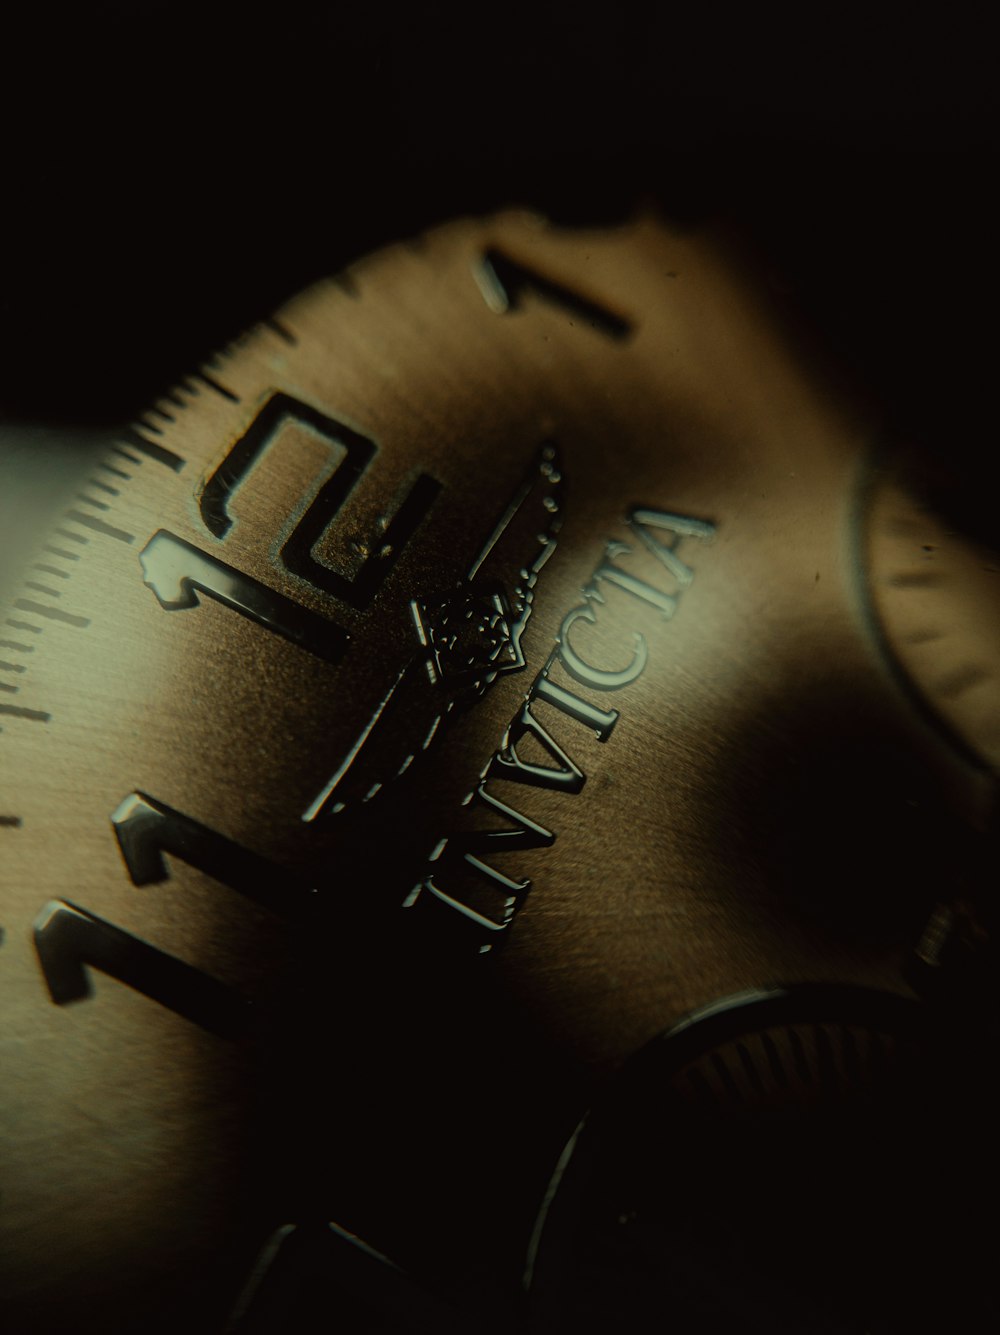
(474, 669)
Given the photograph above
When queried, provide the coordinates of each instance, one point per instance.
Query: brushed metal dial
(427, 702)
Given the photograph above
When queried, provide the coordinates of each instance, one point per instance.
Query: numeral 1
(69, 939)
(177, 572)
(503, 282)
(146, 829)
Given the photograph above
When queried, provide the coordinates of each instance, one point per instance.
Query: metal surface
(454, 683)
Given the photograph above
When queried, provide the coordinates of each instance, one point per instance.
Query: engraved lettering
(525, 833)
(480, 919)
(624, 579)
(602, 721)
(600, 679)
(564, 777)
(453, 857)
(643, 521)
(461, 851)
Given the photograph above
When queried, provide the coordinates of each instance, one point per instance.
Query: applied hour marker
(70, 941)
(502, 282)
(177, 572)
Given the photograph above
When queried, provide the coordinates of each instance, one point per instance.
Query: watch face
(420, 707)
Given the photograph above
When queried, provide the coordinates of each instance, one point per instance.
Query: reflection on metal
(320, 801)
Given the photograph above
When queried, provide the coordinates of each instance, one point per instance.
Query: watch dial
(423, 704)
(934, 594)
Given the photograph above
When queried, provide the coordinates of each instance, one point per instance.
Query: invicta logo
(465, 638)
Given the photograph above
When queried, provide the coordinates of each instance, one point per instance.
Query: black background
(172, 171)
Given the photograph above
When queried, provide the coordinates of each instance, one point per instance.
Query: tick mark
(219, 389)
(799, 1056)
(99, 526)
(61, 551)
(151, 449)
(347, 285)
(53, 613)
(914, 579)
(41, 588)
(51, 570)
(774, 1060)
(24, 625)
(119, 473)
(281, 330)
(103, 486)
(923, 636)
(11, 667)
(18, 711)
(11, 822)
